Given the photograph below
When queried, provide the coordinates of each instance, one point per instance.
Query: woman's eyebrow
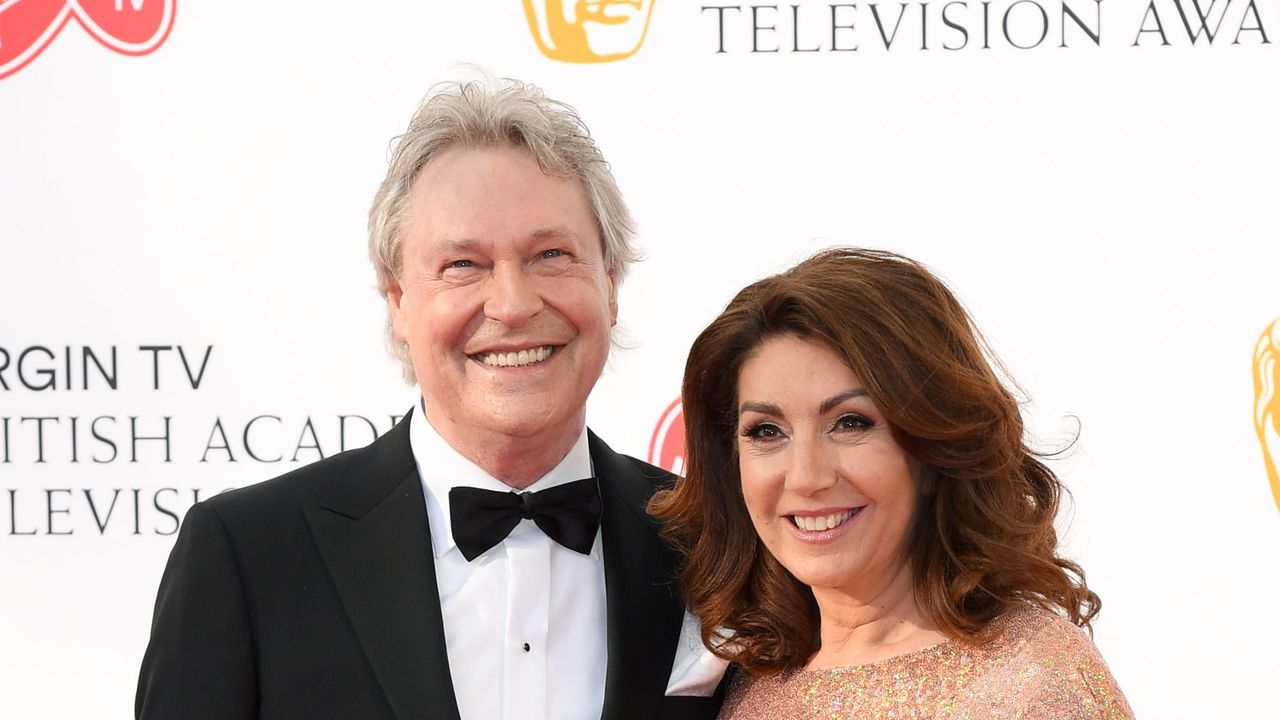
(837, 399)
(763, 408)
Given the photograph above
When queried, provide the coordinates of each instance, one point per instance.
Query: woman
(866, 533)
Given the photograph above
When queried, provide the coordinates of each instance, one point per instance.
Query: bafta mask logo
(588, 31)
(1266, 404)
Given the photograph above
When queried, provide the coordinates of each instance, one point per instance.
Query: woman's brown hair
(983, 539)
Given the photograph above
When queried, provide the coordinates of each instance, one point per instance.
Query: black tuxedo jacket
(313, 595)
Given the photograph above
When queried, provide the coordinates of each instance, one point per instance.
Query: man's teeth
(516, 359)
(823, 522)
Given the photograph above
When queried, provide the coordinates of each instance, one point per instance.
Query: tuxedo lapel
(644, 614)
(372, 533)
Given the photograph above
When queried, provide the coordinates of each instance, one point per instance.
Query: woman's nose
(810, 469)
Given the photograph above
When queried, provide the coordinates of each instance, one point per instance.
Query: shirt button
(526, 647)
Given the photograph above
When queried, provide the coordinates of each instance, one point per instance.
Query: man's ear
(395, 311)
(613, 296)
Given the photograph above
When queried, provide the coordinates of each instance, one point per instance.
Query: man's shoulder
(311, 483)
(608, 460)
(660, 478)
(627, 482)
(299, 484)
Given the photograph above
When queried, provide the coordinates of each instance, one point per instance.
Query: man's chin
(533, 423)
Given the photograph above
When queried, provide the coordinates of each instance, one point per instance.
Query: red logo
(666, 449)
(130, 27)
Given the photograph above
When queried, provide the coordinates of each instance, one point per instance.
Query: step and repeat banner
(186, 305)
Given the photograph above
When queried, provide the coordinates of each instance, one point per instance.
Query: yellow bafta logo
(588, 31)
(1266, 404)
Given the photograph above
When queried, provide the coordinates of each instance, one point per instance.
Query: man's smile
(515, 358)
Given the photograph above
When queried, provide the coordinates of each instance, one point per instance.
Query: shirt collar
(441, 468)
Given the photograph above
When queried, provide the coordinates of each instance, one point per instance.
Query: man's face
(503, 299)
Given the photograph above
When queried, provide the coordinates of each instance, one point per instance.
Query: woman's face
(829, 490)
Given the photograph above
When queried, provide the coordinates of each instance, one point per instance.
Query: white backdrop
(1108, 211)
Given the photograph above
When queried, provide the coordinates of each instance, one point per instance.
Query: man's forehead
(487, 199)
(462, 153)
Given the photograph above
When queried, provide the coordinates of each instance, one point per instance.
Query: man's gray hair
(493, 113)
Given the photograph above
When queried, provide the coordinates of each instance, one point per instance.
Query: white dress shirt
(524, 623)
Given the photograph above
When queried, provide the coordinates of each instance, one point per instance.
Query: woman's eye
(763, 431)
(853, 421)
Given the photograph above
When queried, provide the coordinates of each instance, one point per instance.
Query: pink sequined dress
(1037, 667)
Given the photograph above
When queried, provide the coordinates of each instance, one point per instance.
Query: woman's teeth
(516, 359)
(823, 522)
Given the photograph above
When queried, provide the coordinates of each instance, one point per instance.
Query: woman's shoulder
(1053, 667)
(752, 698)
(1029, 627)
(1037, 635)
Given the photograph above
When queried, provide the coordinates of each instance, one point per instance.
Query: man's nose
(513, 297)
(811, 467)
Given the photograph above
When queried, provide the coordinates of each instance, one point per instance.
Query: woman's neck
(866, 625)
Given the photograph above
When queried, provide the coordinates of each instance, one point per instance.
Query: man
(386, 582)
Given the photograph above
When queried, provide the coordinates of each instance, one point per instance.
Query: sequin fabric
(1037, 667)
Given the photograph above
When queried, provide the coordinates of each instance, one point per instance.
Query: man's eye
(853, 421)
(552, 253)
(454, 264)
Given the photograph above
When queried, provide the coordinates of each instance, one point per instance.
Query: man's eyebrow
(554, 232)
(835, 400)
(453, 245)
(467, 244)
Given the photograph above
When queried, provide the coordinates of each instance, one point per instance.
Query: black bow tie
(568, 514)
